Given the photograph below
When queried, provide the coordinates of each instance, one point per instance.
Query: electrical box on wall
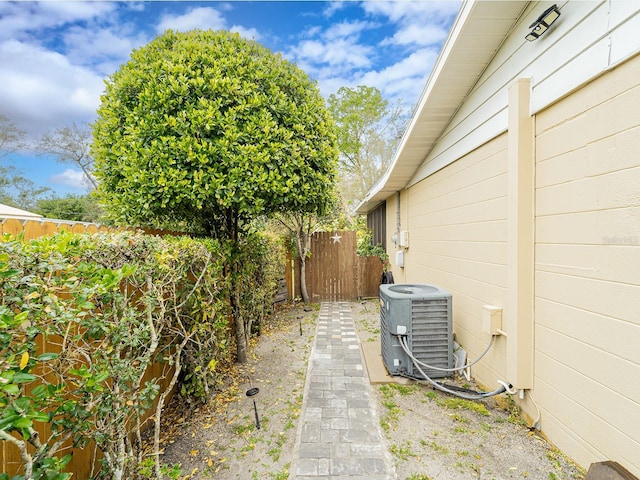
(400, 258)
(492, 319)
(403, 239)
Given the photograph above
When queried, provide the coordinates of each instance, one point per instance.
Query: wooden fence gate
(335, 272)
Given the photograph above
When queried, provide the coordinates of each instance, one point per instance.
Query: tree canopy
(70, 144)
(208, 130)
(15, 189)
(368, 132)
(78, 208)
(11, 136)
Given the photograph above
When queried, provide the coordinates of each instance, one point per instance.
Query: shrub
(111, 307)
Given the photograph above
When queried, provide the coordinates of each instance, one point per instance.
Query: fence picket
(334, 270)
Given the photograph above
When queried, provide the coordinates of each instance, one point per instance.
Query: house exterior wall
(457, 219)
(587, 249)
(584, 95)
(589, 38)
(587, 275)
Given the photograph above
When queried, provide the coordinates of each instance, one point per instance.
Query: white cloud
(334, 51)
(18, 19)
(418, 35)
(400, 82)
(414, 11)
(202, 17)
(70, 178)
(42, 88)
(341, 55)
(333, 7)
(103, 49)
(418, 23)
(405, 79)
(248, 33)
(347, 29)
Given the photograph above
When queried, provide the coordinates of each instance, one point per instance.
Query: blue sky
(55, 55)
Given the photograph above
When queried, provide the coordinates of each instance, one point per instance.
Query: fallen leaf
(24, 360)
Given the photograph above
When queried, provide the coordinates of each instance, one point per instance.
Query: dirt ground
(431, 435)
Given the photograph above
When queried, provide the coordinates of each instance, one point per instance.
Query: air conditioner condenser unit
(421, 313)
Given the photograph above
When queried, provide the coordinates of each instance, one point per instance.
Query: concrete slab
(377, 372)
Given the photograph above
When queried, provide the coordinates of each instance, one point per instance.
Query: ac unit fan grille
(429, 340)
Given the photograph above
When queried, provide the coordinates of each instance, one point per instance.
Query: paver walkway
(339, 433)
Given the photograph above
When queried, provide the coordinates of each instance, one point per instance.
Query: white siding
(589, 38)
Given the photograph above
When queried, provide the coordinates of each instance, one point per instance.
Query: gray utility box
(423, 312)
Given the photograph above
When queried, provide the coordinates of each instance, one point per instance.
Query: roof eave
(446, 89)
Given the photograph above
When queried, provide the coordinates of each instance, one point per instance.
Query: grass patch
(439, 448)
(403, 452)
(281, 475)
(459, 418)
(392, 414)
(463, 404)
(461, 429)
(402, 389)
(456, 403)
(243, 428)
(276, 450)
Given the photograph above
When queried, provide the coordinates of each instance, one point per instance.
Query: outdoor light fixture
(543, 23)
(252, 392)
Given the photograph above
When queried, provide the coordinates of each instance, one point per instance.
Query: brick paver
(339, 433)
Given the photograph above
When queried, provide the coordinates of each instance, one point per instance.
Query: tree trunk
(303, 239)
(303, 280)
(241, 336)
(234, 295)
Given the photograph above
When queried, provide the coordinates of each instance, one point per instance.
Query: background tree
(79, 208)
(208, 131)
(11, 137)
(70, 145)
(300, 227)
(368, 132)
(15, 189)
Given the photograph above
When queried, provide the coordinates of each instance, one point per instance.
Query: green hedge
(110, 307)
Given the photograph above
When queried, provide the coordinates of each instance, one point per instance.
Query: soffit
(479, 30)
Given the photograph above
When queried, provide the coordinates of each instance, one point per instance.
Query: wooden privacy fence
(31, 229)
(335, 272)
(83, 463)
(83, 458)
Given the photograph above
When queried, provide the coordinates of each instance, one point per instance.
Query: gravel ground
(431, 435)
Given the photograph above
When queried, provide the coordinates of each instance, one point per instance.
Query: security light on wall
(543, 22)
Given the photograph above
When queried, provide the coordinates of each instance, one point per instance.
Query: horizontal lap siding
(587, 269)
(457, 223)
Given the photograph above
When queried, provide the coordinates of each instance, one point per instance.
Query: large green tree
(207, 131)
(368, 133)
